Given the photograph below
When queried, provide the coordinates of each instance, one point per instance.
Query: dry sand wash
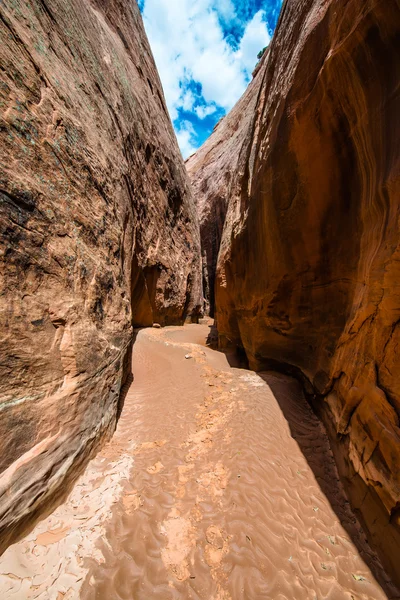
(206, 491)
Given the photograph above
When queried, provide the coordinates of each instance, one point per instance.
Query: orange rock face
(308, 274)
(215, 172)
(98, 233)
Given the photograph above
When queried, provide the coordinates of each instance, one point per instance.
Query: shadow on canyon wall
(309, 433)
(235, 355)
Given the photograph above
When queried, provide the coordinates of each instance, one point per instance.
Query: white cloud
(226, 10)
(204, 111)
(189, 48)
(188, 100)
(255, 38)
(185, 135)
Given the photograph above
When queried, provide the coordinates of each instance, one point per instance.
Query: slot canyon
(200, 390)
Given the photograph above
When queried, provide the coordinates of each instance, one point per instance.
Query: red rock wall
(215, 171)
(98, 232)
(308, 275)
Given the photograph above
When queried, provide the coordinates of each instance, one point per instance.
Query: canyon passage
(218, 483)
(149, 451)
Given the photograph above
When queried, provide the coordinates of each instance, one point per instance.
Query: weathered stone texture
(308, 275)
(216, 170)
(98, 233)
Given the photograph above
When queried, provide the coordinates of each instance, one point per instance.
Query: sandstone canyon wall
(308, 274)
(98, 233)
(216, 170)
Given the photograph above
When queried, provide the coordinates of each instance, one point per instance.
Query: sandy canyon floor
(217, 485)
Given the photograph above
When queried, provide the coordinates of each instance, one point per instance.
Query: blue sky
(205, 52)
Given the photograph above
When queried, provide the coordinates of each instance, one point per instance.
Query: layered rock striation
(308, 268)
(98, 234)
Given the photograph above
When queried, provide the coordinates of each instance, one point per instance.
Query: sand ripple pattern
(227, 504)
(232, 492)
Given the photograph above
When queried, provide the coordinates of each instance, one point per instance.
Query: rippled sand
(218, 484)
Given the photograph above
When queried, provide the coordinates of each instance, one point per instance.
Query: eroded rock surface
(98, 232)
(218, 484)
(216, 170)
(308, 271)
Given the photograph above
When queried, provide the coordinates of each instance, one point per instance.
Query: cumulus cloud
(226, 10)
(204, 111)
(255, 38)
(199, 69)
(186, 136)
(187, 100)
